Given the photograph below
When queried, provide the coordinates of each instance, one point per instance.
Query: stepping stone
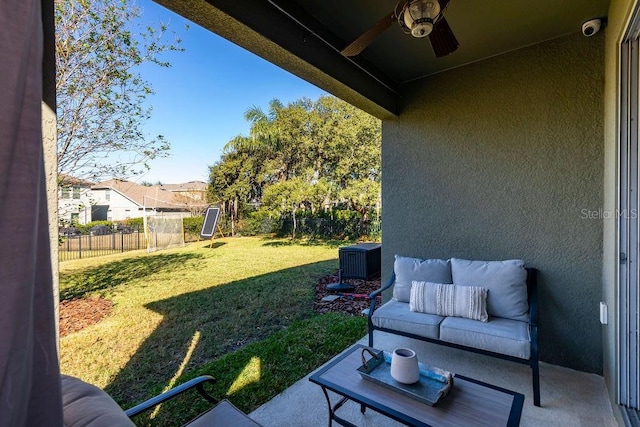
(330, 298)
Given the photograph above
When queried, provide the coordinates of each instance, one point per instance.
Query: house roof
(187, 186)
(66, 180)
(150, 197)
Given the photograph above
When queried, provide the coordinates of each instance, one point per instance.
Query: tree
(286, 197)
(237, 179)
(282, 134)
(363, 196)
(318, 195)
(307, 155)
(195, 207)
(100, 46)
(346, 142)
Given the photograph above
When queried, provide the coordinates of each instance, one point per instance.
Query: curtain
(29, 370)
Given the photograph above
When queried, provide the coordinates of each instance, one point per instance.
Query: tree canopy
(100, 45)
(307, 155)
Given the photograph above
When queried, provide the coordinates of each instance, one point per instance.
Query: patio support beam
(286, 35)
(49, 141)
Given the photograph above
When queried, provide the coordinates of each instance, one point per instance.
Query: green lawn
(241, 311)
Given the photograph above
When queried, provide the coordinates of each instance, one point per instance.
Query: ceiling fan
(420, 18)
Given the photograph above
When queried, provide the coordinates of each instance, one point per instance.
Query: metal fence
(326, 227)
(80, 246)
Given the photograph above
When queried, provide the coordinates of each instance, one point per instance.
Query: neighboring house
(80, 201)
(195, 190)
(74, 200)
(193, 194)
(116, 200)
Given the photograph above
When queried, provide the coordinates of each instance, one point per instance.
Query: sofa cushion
(85, 405)
(505, 280)
(396, 316)
(499, 335)
(449, 300)
(409, 269)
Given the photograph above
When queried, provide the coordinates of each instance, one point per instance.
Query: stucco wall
(502, 159)
(49, 144)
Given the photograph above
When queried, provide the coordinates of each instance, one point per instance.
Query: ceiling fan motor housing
(418, 16)
(423, 28)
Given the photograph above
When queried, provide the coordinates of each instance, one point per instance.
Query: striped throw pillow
(449, 300)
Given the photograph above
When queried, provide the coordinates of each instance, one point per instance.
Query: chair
(87, 405)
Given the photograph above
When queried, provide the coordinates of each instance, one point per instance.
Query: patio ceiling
(305, 37)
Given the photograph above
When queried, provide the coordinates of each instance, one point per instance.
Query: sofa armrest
(373, 295)
(154, 401)
(532, 294)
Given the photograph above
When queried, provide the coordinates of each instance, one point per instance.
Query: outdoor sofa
(486, 307)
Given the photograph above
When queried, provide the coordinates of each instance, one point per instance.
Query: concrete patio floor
(568, 397)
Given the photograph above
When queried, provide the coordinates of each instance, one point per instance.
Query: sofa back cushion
(505, 280)
(449, 300)
(409, 269)
(85, 405)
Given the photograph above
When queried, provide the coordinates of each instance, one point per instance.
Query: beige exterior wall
(49, 140)
(504, 159)
(120, 207)
(68, 205)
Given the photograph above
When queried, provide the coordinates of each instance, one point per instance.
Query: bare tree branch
(100, 46)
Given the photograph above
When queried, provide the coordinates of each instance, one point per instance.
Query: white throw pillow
(469, 302)
(409, 269)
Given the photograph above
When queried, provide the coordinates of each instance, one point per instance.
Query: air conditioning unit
(360, 261)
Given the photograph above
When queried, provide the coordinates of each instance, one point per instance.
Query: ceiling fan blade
(359, 44)
(442, 39)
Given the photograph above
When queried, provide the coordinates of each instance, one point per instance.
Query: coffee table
(469, 403)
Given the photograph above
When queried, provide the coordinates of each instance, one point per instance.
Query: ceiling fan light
(422, 29)
(418, 16)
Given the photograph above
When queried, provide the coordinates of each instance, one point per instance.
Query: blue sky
(200, 100)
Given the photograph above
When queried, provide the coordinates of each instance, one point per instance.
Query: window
(107, 194)
(75, 217)
(76, 192)
(66, 193)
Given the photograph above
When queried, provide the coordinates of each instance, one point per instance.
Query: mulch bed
(77, 314)
(348, 304)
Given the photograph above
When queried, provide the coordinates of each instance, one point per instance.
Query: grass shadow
(210, 323)
(214, 246)
(104, 277)
(259, 371)
(280, 243)
(270, 241)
